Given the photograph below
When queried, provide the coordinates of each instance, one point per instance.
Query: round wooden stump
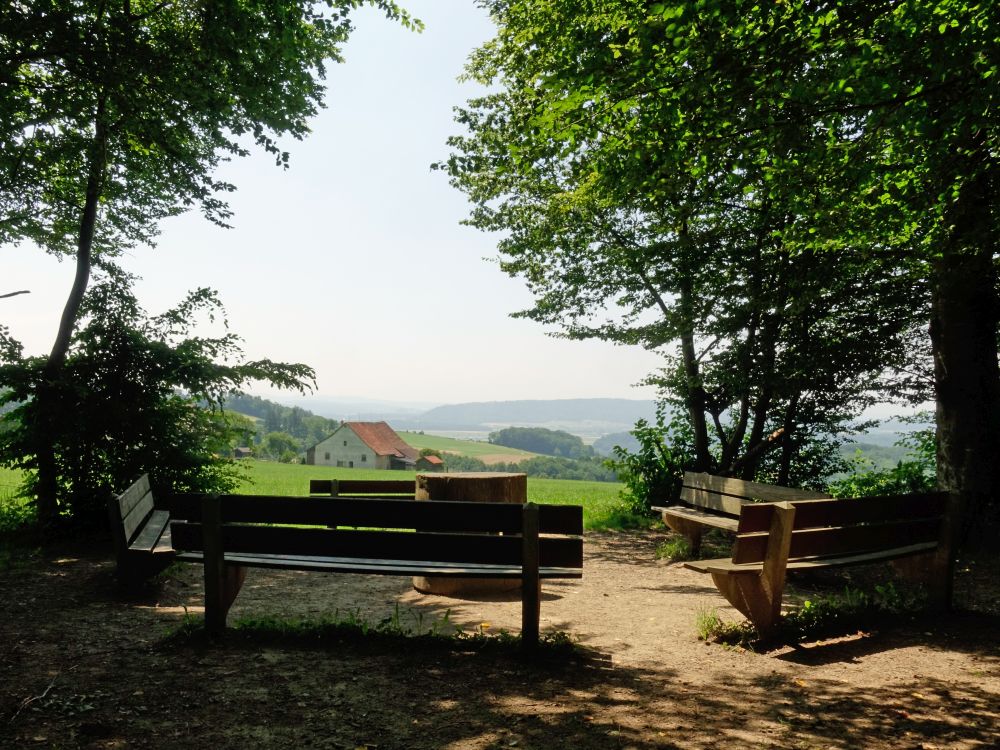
(482, 487)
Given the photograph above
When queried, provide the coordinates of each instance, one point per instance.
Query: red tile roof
(433, 459)
(382, 439)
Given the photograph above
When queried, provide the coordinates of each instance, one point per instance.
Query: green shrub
(915, 473)
(136, 394)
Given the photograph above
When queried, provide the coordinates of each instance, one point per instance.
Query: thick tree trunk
(964, 320)
(48, 407)
(695, 393)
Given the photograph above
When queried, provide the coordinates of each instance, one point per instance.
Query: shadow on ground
(81, 666)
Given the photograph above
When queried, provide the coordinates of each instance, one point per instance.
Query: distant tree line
(590, 469)
(542, 440)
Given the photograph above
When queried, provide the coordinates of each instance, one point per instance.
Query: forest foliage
(795, 205)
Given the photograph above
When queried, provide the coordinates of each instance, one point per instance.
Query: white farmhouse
(363, 445)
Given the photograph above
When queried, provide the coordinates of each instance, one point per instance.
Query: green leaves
(137, 394)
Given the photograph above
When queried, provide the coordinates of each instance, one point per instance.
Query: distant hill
(604, 446)
(587, 417)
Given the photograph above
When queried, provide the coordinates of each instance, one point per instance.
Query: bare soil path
(82, 667)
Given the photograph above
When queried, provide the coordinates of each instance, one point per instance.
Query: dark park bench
(140, 532)
(229, 533)
(362, 487)
(711, 502)
(915, 532)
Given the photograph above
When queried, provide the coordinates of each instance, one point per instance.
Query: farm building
(363, 445)
(430, 463)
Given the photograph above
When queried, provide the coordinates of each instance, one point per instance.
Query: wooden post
(530, 581)
(211, 530)
(482, 487)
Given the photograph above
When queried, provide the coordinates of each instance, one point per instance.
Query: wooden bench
(362, 487)
(916, 532)
(231, 533)
(141, 533)
(715, 502)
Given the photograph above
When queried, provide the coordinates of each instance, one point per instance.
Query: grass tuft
(675, 550)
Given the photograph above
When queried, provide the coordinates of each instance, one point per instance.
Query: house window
(364, 458)
(340, 464)
(327, 457)
(345, 443)
(350, 464)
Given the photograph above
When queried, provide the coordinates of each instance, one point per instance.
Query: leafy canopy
(138, 394)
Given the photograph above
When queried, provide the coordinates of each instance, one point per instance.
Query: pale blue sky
(353, 260)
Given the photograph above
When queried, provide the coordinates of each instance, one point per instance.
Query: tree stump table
(481, 487)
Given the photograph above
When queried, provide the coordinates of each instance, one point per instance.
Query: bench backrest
(829, 528)
(728, 495)
(438, 531)
(128, 512)
(355, 487)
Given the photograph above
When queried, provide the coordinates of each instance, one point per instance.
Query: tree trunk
(964, 320)
(477, 487)
(48, 407)
(694, 395)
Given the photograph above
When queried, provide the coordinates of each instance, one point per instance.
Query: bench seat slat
(725, 565)
(148, 538)
(380, 567)
(727, 523)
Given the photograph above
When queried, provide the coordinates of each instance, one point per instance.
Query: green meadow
(474, 448)
(599, 499)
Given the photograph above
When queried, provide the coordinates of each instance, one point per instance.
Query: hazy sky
(353, 260)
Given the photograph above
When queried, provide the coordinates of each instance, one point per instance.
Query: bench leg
(757, 594)
(751, 597)
(931, 573)
(222, 582)
(223, 594)
(531, 585)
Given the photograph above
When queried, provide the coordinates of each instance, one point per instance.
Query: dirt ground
(81, 666)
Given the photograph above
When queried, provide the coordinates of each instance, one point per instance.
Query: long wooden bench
(711, 502)
(140, 533)
(915, 531)
(397, 488)
(231, 533)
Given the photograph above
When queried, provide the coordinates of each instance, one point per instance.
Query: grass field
(599, 499)
(473, 448)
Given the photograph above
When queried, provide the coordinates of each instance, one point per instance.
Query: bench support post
(935, 570)
(222, 582)
(757, 593)
(530, 581)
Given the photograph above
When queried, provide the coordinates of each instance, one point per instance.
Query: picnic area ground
(81, 666)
